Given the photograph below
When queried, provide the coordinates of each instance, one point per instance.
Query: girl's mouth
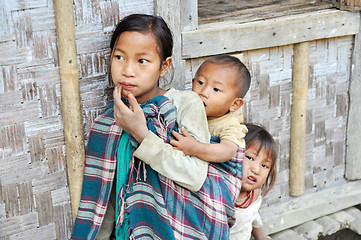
(252, 179)
(126, 85)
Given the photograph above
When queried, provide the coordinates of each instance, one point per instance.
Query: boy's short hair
(233, 62)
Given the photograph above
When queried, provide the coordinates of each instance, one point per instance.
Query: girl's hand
(131, 118)
(185, 143)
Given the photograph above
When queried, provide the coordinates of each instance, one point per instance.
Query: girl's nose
(128, 69)
(255, 169)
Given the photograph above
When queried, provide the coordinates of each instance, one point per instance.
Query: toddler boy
(221, 82)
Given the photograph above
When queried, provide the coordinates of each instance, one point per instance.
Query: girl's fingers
(117, 98)
(176, 135)
(133, 103)
(185, 132)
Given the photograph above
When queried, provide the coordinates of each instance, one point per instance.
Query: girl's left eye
(142, 61)
(118, 57)
(265, 166)
(216, 89)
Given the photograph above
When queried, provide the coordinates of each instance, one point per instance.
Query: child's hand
(131, 118)
(183, 143)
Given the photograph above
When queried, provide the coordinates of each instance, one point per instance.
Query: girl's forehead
(256, 148)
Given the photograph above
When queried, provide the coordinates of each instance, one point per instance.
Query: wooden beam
(348, 4)
(189, 14)
(298, 118)
(353, 150)
(169, 11)
(227, 38)
(310, 206)
(70, 99)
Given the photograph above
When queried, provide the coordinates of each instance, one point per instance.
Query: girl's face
(136, 65)
(256, 168)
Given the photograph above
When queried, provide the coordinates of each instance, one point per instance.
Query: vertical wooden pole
(70, 99)
(298, 118)
(353, 150)
(169, 11)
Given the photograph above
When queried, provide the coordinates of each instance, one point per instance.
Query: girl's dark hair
(143, 23)
(261, 138)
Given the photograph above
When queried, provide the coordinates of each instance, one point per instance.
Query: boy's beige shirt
(228, 127)
(189, 172)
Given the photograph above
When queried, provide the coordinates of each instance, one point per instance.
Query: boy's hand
(185, 143)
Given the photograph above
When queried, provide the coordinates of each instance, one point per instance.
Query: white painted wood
(353, 150)
(189, 14)
(355, 225)
(310, 206)
(287, 235)
(330, 225)
(228, 37)
(310, 230)
(169, 11)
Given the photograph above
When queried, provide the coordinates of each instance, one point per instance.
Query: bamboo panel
(34, 193)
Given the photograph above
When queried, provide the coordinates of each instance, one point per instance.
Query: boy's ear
(236, 104)
(165, 66)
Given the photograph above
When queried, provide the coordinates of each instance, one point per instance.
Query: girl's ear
(236, 104)
(165, 66)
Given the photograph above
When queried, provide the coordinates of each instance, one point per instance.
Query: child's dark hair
(244, 77)
(144, 23)
(262, 139)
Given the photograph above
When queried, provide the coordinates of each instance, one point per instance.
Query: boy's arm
(189, 172)
(218, 152)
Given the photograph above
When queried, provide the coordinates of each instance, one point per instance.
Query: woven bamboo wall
(269, 103)
(34, 196)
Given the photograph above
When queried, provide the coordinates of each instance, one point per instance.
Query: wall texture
(34, 195)
(269, 103)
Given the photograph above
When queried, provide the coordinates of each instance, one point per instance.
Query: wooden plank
(353, 164)
(228, 38)
(189, 14)
(169, 11)
(348, 4)
(256, 10)
(310, 206)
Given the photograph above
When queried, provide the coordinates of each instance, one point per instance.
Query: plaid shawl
(189, 215)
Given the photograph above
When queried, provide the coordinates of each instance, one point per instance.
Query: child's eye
(119, 57)
(142, 61)
(265, 166)
(216, 89)
(200, 82)
(249, 158)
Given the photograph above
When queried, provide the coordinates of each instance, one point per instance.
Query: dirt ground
(345, 234)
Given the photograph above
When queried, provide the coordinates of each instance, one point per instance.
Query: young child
(120, 193)
(221, 82)
(259, 173)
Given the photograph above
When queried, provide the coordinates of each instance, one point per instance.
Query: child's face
(215, 84)
(256, 168)
(136, 66)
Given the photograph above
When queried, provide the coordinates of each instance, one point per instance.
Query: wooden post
(353, 150)
(169, 11)
(189, 14)
(70, 96)
(298, 118)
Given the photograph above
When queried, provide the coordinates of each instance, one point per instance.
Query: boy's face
(216, 85)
